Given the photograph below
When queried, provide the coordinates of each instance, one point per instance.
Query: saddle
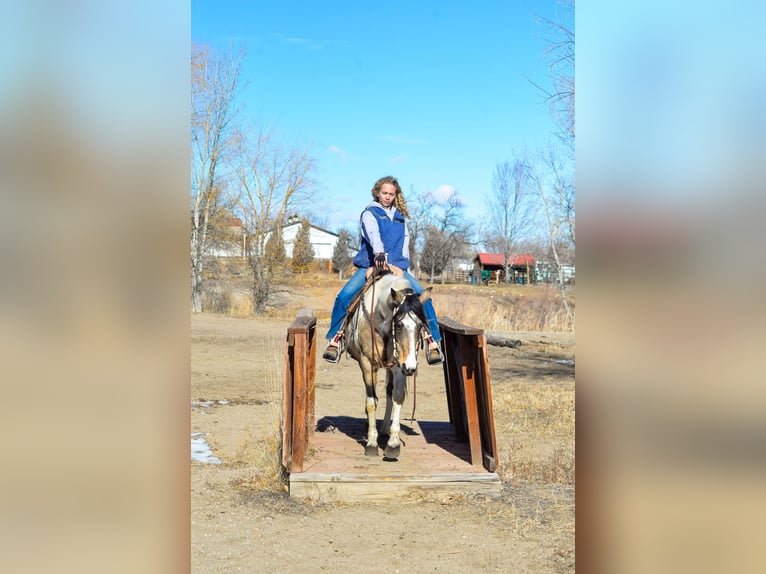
(374, 276)
(433, 356)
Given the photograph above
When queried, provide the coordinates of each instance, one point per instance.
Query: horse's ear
(425, 295)
(397, 296)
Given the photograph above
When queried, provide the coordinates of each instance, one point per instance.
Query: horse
(384, 332)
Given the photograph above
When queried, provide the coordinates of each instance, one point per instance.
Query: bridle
(371, 320)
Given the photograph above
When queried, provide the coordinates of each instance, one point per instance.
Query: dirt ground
(242, 522)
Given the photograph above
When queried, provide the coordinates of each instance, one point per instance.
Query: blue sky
(433, 92)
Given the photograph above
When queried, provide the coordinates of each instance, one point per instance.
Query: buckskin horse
(384, 332)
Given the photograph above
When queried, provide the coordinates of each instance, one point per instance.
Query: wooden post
(452, 383)
(287, 403)
(468, 368)
(469, 392)
(487, 416)
(298, 391)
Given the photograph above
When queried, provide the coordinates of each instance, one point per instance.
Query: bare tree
(510, 210)
(214, 83)
(560, 54)
(555, 189)
(273, 179)
(421, 206)
(446, 234)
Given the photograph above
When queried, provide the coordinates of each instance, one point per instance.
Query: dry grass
(262, 462)
(504, 307)
(493, 308)
(537, 422)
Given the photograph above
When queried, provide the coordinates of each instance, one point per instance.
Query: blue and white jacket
(383, 230)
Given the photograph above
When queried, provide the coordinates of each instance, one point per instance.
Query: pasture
(243, 520)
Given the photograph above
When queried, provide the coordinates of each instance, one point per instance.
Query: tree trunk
(502, 341)
(196, 294)
(196, 280)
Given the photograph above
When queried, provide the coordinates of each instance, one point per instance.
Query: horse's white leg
(394, 443)
(371, 448)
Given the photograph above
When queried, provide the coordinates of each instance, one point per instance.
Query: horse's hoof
(370, 450)
(392, 452)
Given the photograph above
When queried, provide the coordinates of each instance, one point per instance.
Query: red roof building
(497, 260)
(522, 266)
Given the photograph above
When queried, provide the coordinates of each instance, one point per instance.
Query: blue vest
(392, 234)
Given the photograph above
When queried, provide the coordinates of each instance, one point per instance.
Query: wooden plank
(454, 385)
(301, 324)
(331, 488)
(287, 404)
(311, 382)
(299, 403)
(467, 351)
(458, 328)
(484, 477)
(487, 414)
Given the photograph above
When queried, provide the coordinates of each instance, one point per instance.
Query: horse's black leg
(396, 397)
(386, 428)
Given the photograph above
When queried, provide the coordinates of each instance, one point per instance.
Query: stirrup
(332, 352)
(434, 356)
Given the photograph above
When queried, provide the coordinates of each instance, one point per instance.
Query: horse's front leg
(397, 391)
(385, 430)
(371, 404)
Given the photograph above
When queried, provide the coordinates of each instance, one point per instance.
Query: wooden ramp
(432, 465)
(439, 460)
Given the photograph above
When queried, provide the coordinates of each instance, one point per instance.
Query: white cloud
(336, 150)
(298, 41)
(443, 192)
(399, 158)
(403, 140)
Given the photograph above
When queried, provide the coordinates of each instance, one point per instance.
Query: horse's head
(407, 323)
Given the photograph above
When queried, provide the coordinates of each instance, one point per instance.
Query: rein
(371, 319)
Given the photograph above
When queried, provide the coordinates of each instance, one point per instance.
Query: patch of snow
(200, 451)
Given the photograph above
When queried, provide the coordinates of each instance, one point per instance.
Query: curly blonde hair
(399, 201)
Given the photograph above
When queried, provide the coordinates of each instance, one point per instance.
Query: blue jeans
(355, 285)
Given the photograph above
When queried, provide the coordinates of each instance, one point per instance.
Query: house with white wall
(322, 241)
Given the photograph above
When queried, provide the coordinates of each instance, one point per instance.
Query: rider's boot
(332, 352)
(434, 354)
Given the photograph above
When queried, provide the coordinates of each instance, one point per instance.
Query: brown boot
(332, 352)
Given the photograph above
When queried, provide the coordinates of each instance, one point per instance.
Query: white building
(322, 241)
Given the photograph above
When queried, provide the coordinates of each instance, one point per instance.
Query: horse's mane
(411, 304)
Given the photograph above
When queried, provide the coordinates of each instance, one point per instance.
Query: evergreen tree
(274, 251)
(341, 256)
(303, 253)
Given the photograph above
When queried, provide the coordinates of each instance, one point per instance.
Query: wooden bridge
(442, 459)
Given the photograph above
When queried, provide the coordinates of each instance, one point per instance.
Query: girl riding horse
(385, 244)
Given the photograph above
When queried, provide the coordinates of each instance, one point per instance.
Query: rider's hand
(380, 260)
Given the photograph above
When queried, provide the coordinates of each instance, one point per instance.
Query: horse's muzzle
(407, 371)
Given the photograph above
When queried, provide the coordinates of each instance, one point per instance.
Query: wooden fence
(466, 379)
(469, 392)
(299, 391)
